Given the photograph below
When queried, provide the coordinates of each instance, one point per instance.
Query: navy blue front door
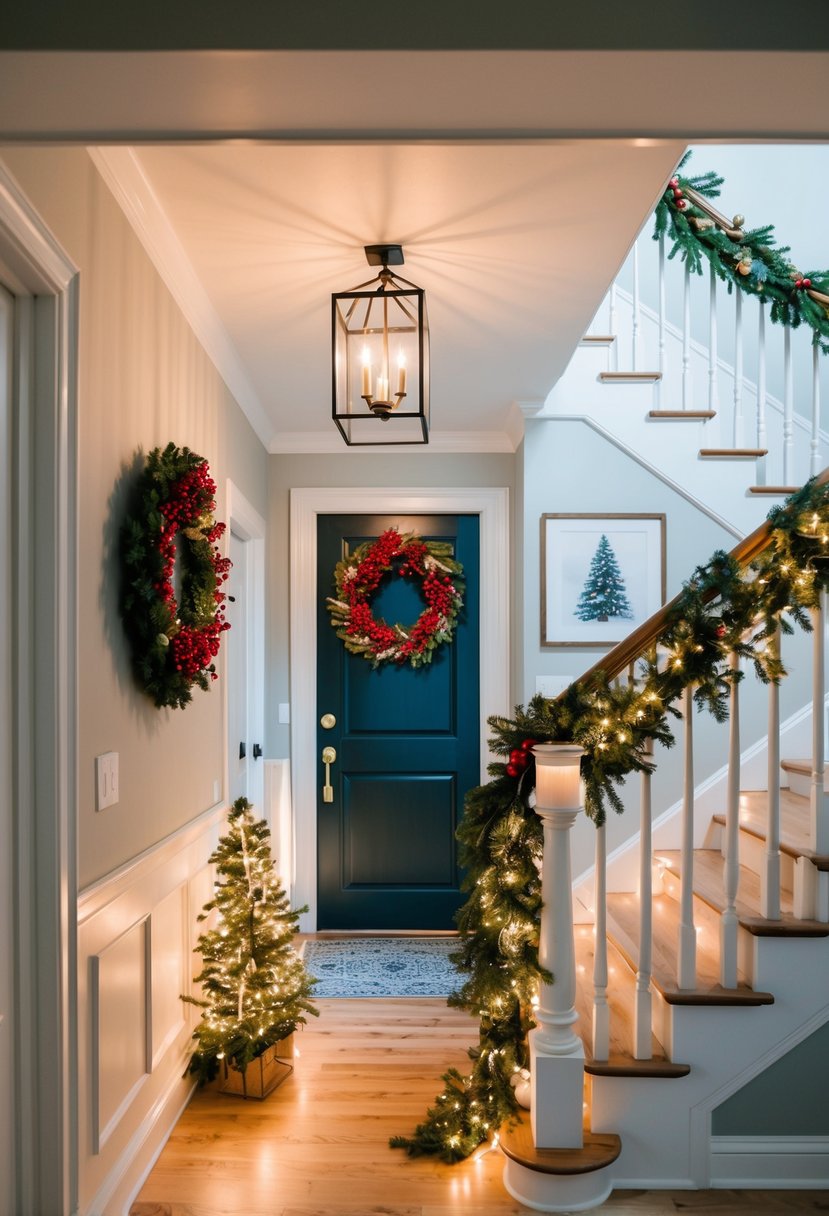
(407, 745)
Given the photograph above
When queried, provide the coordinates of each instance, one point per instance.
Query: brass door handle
(329, 755)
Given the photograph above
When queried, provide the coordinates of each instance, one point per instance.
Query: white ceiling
(514, 243)
(515, 180)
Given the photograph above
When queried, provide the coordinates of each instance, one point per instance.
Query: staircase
(696, 967)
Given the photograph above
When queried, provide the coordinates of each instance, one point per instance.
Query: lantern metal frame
(385, 309)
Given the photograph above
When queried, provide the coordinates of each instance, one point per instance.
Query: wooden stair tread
(599, 339)
(600, 1150)
(629, 377)
(794, 823)
(687, 415)
(621, 994)
(708, 886)
(804, 769)
(626, 1066)
(623, 926)
(733, 453)
(773, 489)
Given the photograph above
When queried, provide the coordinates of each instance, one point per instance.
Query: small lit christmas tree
(604, 594)
(255, 988)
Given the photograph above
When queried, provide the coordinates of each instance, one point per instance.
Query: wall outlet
(106, 780)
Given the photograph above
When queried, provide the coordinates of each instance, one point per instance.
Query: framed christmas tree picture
(601, 576)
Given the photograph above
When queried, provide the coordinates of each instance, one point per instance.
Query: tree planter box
(262, 1075)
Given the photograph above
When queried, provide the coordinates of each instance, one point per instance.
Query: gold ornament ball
(738, 221)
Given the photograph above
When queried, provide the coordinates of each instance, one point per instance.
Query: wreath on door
(174, 637)
(358, 578)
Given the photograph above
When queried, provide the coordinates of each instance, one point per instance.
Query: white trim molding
(770, 1162)
(45, 283)
(247, 525)
(491, 504)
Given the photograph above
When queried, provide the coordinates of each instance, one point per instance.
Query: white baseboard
(770, 1162)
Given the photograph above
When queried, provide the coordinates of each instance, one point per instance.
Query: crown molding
(122, 171)
(324, 443)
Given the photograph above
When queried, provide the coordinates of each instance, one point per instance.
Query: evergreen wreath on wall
(359, 577)
(722, 609)
(174, 638)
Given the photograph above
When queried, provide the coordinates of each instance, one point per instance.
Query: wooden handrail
(643, 637)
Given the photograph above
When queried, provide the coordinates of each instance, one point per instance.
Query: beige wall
(349, 469)
(143, 380)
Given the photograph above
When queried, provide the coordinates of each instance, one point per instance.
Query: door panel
(407, 744)
(7, 907)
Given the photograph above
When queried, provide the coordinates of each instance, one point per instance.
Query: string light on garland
(359, 577)
(174, 637)
(722, 609)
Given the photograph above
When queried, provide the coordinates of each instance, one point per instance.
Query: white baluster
(738, 369)
(713, 378)
(770, 872)
(687, 977)
(556, 1051)
(819, 828)
(731, 863)
(761, 392)
(601, 1011)
(814, 467)
(788, 409)
(642, 1012)
(611, 326)
(637, 320)
(663, 363)
(686, 339)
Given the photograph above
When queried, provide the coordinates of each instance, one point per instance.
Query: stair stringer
(665, 1125)
(622, 409)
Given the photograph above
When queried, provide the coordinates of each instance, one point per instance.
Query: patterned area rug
(382, 966)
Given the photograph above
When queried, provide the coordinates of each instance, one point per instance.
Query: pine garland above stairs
(721, 610)
(749, 260)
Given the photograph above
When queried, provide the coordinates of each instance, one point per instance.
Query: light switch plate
(106, 780)
(284, 715)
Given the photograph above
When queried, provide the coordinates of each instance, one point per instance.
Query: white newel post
(556, 1051)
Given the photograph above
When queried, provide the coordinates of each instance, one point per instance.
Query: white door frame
(492, 506)
(245, 522)
(45, 283)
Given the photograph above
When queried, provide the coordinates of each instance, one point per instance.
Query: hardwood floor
(318, 1146)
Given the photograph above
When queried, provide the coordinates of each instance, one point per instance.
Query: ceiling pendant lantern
(380, 341)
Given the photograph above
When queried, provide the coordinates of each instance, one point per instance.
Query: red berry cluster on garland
(679, 199)
(520, 757)
(175, 639)
(359, 577)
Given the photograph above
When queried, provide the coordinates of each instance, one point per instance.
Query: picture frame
(602, 575)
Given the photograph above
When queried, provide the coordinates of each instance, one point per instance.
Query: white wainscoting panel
(136, 932)
(166, 931)
(119, 1029)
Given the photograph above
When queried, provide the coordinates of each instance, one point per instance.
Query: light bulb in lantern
(401, 374)
(366, 389)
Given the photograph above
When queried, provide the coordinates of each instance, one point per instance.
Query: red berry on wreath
(512, 771)
(721, 631)
(682, 204)
(806, 283)
(518, 758)
(528, 745)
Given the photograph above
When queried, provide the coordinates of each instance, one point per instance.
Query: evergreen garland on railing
(749, 259)
(721, 609)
